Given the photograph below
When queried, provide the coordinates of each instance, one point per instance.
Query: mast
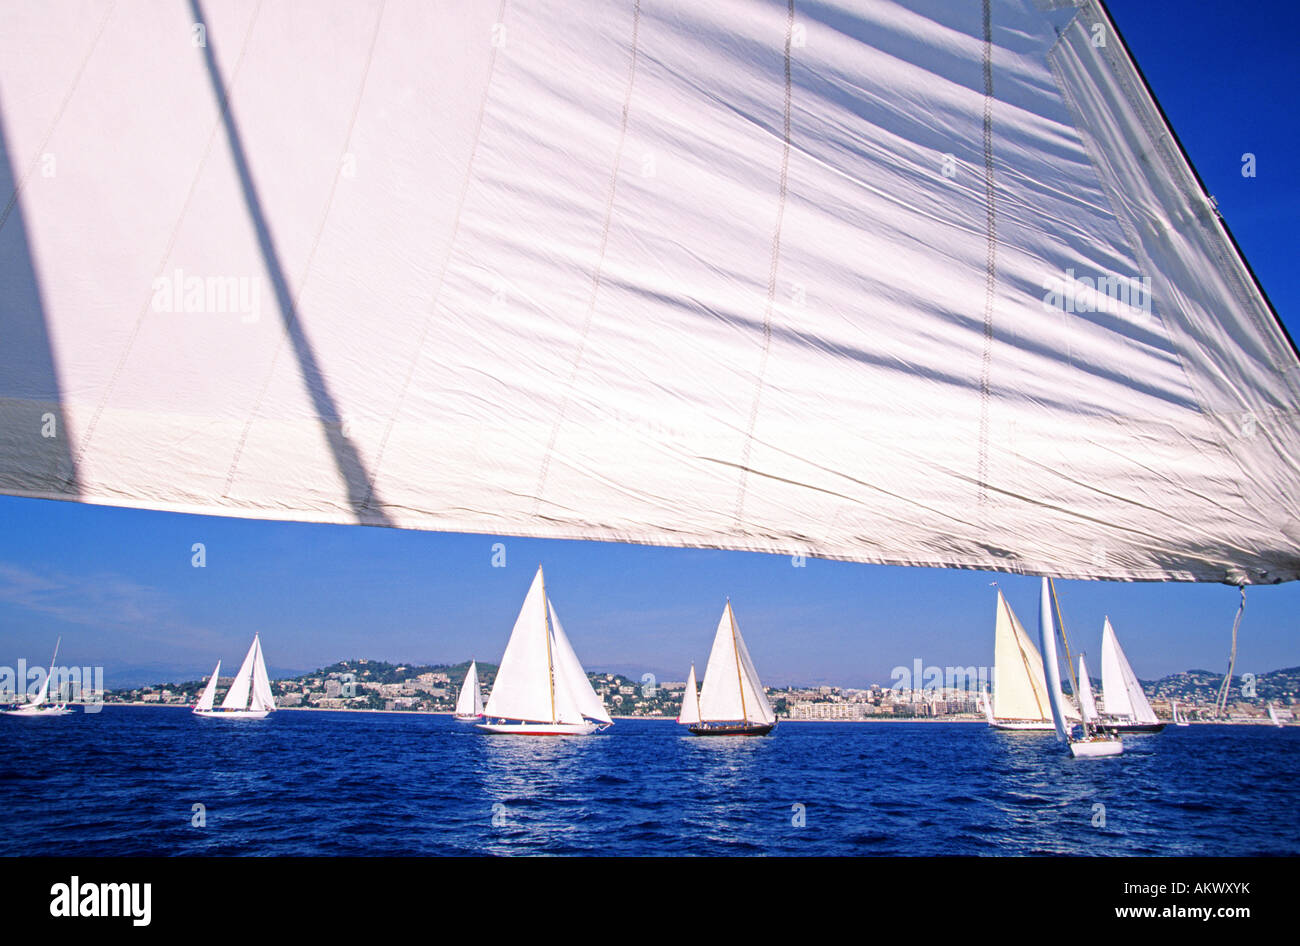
(1060, 623)
(550, 661)
(740, 679)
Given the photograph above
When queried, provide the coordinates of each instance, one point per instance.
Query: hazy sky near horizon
(118, 584)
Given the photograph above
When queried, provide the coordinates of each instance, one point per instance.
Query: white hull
(469, 719)
(31, 712)
(232, 714)
(1019, 725)
(1096, 749)
(541, 729)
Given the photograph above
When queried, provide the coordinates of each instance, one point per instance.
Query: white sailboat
(1272, 715)
(540, 688)
(732, 701)
(987, 705)
(1020, 700)
(249, 696)
(1094, 742)
(1127, 707)
(469, 703)
(1178, 720)
(40, 707)
(690, 714)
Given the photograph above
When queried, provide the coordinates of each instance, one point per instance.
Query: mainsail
(906, 282)
(470, 700)
(1121, 692)
(251, 688)
(1019, 686)
(732, 690)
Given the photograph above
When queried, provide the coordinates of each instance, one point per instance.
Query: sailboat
(1127, 707)
(1094, 742)
(1272, 715)
(540, 688)
(38, 707)
(690, 714)
(469, 704)
(732, 701)
(1020, 700)
(249, 696)
(1178, 720)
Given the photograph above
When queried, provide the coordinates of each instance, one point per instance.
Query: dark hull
(740, 729)
(1131, 727)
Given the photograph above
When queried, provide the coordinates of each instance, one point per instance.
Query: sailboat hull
(1096, 749)
(469, 719)
(35, 712)
(232, 714)
(738, 729)
(1023, 725)
(540, 729)
(1131, 727)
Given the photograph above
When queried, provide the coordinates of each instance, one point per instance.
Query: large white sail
(209, 694)
(241, 685)
(1121, 692)
(261, 697)
(470, 700)
(1052, 670)
(690, 714)
(732, 690)
(523, 685)
(907, 282)
(1019, 688)
(574, 676)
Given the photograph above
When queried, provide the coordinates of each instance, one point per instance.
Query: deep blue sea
(125, 782)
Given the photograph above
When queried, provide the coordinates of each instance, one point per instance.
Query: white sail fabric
(1019, 688)
(209, 694)
(1052, 670)
(1087, 705)
(732, 690)
(569, 669)
(523, 685)
(262, 698)
(1120, 689)
(237, 695)
(470, 700)
(905, 281)
(690, 714)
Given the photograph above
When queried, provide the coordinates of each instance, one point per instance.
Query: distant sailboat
(987, 706)
(1094, 742)
(38, 707)
(732, 701)
(1272, 715)
(690, 714)
(469, 704)
(1178, 720)
(1020, 699)
(540, 688)
(1127, 707)
(249, 696)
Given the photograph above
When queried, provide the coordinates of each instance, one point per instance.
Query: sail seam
(990, 261)
(89, 433)
(442, 271)
(771, 277)
(597, 271)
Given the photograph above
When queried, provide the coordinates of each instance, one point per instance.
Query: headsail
(690, 713)
(209, 694)
(1087, 705)
(1007, 326)
(1019, 688)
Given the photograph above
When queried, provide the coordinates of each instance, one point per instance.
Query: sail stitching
(597, 271)
(771, 277)
(442, 270)
(990, 264)
(89, 433)
(58, 117)
(306, 270)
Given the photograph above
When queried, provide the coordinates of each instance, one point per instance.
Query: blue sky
(119, 586)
